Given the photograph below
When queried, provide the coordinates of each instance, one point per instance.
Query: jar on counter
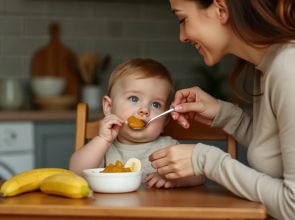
(11, 94)
(91, 94)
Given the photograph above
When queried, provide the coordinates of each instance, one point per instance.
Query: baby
(142, 88)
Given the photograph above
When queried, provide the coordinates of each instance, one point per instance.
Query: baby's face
(144, 99)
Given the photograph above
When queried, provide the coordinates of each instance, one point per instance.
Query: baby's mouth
(136, 123)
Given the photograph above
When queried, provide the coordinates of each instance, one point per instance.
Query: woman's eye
(181, 20)
(133, 99)
(156, 105)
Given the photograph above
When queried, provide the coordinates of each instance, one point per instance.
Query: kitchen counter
(43, 115)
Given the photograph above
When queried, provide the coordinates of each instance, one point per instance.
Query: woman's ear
(222, 10)
(107, 105)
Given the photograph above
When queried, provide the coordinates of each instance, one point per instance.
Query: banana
(67, 185)
(28, 181)
(134, 164)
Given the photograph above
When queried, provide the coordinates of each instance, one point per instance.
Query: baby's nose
(143, 112)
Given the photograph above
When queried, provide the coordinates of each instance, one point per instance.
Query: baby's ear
(107, 105)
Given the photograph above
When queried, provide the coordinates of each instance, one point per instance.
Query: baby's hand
(157, 181)
(109, 127)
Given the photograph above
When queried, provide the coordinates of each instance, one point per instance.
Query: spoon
(136, 123)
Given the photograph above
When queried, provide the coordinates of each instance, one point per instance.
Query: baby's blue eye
(133, 99)
(156, 105)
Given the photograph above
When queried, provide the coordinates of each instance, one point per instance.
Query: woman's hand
(194, 103)
(174, 161)
(109, 127)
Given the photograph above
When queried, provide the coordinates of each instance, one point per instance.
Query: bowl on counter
(61, 102)
(112, 182)
(48, 86)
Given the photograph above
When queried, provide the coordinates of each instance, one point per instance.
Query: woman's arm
(234, 121)
(190, 181)
(278, 195)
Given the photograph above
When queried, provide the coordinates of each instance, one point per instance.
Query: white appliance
(16, 148)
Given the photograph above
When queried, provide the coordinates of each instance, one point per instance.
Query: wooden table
(203, 202)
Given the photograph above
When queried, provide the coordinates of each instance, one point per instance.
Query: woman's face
(206, 29)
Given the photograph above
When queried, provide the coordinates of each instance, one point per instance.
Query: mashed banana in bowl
(115, 168)
(132, 165)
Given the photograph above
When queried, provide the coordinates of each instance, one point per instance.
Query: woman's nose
(182, 36)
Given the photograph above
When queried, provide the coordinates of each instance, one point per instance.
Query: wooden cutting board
(54, 59)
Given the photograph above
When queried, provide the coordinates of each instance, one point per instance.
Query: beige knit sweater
(269, 137)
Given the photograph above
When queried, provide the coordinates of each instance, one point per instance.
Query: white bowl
(48, 86)
(112, 182)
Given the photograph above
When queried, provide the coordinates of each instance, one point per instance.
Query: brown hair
(258, 23)
(143, 68)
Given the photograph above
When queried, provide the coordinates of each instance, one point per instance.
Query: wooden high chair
(86, 130)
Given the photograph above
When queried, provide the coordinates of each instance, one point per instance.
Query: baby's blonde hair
(143, 68)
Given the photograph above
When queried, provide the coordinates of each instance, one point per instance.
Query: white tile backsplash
(122, 28)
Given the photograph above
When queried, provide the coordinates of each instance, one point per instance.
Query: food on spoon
(118, 167)
(134, 164)
(136, 123)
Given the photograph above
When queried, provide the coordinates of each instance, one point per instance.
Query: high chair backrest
(86, 130)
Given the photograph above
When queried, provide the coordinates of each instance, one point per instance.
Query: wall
(121, 28)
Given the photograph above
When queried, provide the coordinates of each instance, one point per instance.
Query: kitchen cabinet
(54, 143)
(16, 147)
(53, 134)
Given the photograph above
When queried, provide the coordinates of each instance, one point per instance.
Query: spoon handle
(163, 113)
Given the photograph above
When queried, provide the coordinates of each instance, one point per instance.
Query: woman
(261, 33)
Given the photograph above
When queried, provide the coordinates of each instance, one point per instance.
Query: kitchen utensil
(105, 63)
(87, 63)
(55, 59)
(144, 124)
